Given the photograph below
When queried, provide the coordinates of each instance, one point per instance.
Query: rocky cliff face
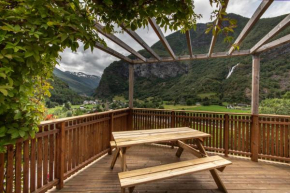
(160, 70)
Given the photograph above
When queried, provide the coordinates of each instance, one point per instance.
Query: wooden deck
(243, 176)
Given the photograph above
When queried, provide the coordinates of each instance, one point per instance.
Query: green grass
(51, 110)
(119, 98)
(208, 95)
(214, 108)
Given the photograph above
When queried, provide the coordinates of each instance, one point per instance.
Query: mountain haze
(79, 82)
(190, 79)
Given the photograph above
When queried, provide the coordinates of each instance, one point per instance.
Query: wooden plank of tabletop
(147, 133)
(152, 136)
(160, 138)
(121, 133)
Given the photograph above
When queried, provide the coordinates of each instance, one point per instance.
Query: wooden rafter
(119, 42)
(189, 43)
(284, 23)
(218, 23)
(195, 56)
(275, 43)
(113, 52)
(138, 39)
(256, 16)
(159, 33)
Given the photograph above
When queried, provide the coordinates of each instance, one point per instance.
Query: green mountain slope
(79, 82)
(61, 93)
(180, 81)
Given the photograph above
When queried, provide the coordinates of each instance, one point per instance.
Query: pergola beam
(254, 19)
(161, 36)
(195, 56)
(218, 23)
(282, 25)
(274, 44)
(119, 42)
(113, 52)
(189, 43)
(138, 39)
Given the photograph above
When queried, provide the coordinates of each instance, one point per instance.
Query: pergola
(261, 46)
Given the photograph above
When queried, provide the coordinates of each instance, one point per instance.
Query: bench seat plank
(141, 176)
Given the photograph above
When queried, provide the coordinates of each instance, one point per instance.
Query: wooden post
(255, 138)
(226, 134)
(60, 153)
(172, 119)
(255, 107)
(131, 85)
(111, 130)
(130, 120)
(255, 84)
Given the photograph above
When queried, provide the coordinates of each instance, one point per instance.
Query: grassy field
(215, 108)
(51, 110)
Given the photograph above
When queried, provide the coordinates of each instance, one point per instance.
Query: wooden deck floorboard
(243, 176)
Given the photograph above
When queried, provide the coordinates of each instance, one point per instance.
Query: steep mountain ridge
(80, 82)
(182, 80)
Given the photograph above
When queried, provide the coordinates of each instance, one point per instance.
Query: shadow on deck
(242, 176)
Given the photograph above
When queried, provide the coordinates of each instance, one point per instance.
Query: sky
(95, 62)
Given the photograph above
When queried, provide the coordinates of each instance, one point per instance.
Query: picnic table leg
(123, 159)
(213, 172)
(131, 189)
(115, 157)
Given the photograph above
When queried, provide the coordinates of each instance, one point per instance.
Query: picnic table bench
(129, 179)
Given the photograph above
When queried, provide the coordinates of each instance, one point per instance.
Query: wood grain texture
(243, 176)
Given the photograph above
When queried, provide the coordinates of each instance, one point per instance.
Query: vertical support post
(131, 85)
(255, 138)
(111, 131)
(131, 96)
(172, 119)
(255, 107)
(60, 155)
(226, 134)
(255, 84)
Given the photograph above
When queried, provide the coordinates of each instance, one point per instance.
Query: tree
(275, 106)
(34, 32)
(68, 105)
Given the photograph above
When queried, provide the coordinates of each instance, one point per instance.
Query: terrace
(73, 154)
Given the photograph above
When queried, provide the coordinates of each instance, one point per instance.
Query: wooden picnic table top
(129, 138)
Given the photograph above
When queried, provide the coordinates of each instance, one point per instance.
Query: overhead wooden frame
(138, 39)
(115, 39)
(188, 39)
(218, 23)
(254, 19)
(113, 52)
(162, 38)
(282, 25)
(259, 47)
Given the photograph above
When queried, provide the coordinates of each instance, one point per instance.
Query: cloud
(95, 62)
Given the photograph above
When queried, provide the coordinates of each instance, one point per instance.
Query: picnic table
(125, 139)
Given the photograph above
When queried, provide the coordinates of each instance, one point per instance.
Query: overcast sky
(96, 62)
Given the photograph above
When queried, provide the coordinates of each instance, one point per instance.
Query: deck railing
(264, 136)
(64, 146)
(59, 149)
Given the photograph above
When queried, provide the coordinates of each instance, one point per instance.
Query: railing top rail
(79, 117)
(211, 112)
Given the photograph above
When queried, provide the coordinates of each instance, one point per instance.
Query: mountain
(80, 82)
(200, 79)
(61, 93)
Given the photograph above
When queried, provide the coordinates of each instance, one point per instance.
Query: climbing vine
(33, 33)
